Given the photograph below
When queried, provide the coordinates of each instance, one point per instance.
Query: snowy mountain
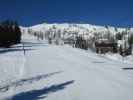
(78, 28)
(66, 33)
(34, 70)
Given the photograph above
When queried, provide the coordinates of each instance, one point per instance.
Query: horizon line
(109, 25)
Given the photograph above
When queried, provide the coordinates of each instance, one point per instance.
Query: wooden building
(104, 46)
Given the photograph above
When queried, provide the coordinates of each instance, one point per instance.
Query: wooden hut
(104, 46)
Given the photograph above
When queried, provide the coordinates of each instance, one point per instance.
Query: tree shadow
(98, 62)
(42, 93)
(27, 47)
(127, 68)
(21, 46)
(13, 50)
(33, 44)
(26, 81)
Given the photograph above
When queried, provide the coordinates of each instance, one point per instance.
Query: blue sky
(99, 12)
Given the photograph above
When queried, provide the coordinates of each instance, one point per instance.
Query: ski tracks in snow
(22, 67)
(16, 65)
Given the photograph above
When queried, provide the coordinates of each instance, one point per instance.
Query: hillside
(80, 28)
(61, 72)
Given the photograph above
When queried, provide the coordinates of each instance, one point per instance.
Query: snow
(119, 58)
(81, 28)
(61, 72)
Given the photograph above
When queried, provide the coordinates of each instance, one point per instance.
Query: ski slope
(49, 72)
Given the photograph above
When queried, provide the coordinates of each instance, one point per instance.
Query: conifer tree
(9, 33)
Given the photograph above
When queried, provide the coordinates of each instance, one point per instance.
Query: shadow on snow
(42, 93)
(26, 81)
(27, 46)
(32, 44)
(97, 62)
(13, 50)
(127, 68)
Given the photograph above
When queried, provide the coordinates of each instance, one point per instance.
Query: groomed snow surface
(49, 72)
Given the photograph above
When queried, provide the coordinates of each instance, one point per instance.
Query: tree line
(10, 33)
(84, 41)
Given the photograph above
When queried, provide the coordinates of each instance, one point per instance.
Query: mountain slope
(62, 72)
(80, 28)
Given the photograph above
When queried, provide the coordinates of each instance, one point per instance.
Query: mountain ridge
(79, 28)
